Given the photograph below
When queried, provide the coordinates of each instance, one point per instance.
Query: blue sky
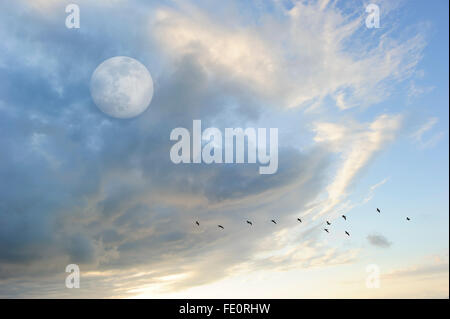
(362, 116)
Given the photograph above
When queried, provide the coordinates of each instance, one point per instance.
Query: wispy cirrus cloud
(419, 136)
(372, 190)
(356, 144)
(296, 57)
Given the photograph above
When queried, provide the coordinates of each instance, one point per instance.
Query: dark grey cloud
(379, 241)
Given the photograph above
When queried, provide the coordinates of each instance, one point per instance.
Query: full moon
(122, 87)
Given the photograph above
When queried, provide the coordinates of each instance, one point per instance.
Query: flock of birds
(300, 220)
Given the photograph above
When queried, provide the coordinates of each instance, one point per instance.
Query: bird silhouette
(407, 218)
(347, 233)
(328, 223)
(220, 226)
(299, 220)
(198, 224)
(345, 217)
(273, 221)
(326, 230)
(250, 223)
(378, 210)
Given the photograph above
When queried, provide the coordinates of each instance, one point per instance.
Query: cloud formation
(84, 188)
(357, 145)
(298, 56)
(372, 190)
(419, 135)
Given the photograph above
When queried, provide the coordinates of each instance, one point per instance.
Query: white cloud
(417, 90)
(428, 125)
(418, 136)
(372, 190)
(294, 61)
(356, 144)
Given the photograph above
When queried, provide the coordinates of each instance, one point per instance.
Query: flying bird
(328, 223)
(407, 218)
(347, 233)
(273, 221)
(326, 230)
(220, 226)
(198, 224)
(378, 210)
(250, 223)
(345, 217)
